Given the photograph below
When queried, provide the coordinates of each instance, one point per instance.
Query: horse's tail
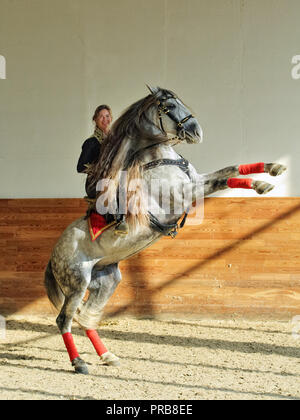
(54, 292)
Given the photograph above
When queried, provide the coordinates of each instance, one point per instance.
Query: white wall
(230, 60)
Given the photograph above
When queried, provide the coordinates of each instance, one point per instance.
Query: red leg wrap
(69, 343)
(252, 168)
(96, 341)
(239, 183)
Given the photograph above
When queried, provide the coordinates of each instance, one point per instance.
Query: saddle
(98, 224)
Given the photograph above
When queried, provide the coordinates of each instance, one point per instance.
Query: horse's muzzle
(194, 134)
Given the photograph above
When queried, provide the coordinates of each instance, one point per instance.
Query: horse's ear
(153, 90)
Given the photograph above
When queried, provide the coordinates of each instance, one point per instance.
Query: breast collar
(182, 164)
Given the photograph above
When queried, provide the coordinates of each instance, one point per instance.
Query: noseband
(162, 109)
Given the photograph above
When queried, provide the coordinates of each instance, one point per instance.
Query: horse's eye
(171, 106)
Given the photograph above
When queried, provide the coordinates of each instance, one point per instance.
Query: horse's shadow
(220, 344)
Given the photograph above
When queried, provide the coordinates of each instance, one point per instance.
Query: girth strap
(164, 228)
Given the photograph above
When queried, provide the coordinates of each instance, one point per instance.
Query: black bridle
(163, 109)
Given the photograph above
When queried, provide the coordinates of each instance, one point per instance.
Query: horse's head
(175, 118)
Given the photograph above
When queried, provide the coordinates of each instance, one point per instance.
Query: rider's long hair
(117, 154)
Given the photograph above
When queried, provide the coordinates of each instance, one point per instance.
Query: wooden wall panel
(242, 261)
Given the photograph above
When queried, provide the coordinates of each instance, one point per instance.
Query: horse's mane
(116, 155)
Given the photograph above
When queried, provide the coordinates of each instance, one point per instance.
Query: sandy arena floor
(159, 360)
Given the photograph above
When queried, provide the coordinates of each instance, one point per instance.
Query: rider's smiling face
(103, 120)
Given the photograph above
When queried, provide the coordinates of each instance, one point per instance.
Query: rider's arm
(89, 153)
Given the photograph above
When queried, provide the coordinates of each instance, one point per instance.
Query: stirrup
(122, 228)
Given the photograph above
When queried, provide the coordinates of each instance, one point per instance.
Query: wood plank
(242, 260)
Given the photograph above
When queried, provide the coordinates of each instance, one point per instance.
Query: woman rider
(90, 153)
(91, 147)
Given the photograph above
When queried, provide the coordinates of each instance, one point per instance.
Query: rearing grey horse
(140, 143)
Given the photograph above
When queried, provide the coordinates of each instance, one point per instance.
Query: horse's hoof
(277, 169)
(262, 187)
(110, 359)
(80, 366)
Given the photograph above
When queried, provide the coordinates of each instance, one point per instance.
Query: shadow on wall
(30, 228)
(147, 294)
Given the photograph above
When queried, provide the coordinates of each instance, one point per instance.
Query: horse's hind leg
(64, 323)
(73, 282)
(103, 284)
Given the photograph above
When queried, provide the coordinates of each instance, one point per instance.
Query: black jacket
(89, 154)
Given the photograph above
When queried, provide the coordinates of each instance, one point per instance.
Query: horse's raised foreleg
(103, 283)
(274, 169)
(224, 178)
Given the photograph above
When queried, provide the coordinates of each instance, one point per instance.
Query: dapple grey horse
(143, 137)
